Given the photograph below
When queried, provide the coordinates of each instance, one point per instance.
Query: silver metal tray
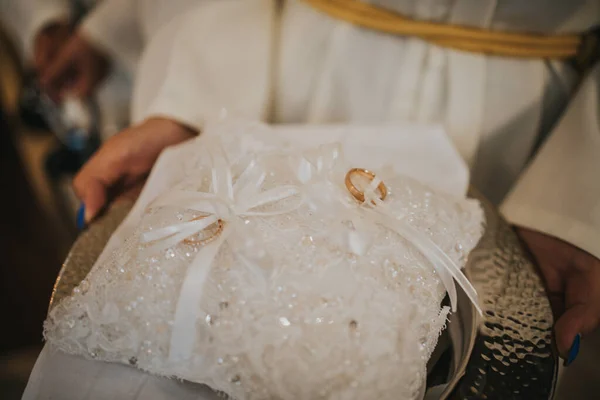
(507, 354)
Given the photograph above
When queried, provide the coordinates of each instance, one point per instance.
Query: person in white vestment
(41, 29)
(74, 61)
(115, 29)
(529, 128)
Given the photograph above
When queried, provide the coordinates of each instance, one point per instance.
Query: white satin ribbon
(446, 268)
(323, 192)
(229, 202)
(323, 177)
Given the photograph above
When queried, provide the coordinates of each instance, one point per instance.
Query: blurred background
(40, 155)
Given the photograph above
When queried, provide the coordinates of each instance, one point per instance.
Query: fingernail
(573, 351)
(81, 217)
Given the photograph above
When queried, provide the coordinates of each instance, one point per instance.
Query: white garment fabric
(58, 375)
(123, 27)
(296, 65)
(560, 191)
(25, 18)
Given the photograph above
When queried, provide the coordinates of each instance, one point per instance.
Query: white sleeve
(25, 18)
(114, 26)
(559, 193)
(218, 58)
(57, 375)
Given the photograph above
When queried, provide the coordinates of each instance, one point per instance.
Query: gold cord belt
(506, 44)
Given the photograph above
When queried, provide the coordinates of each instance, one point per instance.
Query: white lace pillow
(265, 278)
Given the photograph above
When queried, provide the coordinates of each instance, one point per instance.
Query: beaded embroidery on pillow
(307, 293)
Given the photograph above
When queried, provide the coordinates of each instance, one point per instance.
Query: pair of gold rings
(354, 191)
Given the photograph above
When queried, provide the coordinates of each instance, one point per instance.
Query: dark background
(32, 244)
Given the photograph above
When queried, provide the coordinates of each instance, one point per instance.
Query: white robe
(123, 28)
(297, 65)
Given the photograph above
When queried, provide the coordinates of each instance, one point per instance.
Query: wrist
(170, 131)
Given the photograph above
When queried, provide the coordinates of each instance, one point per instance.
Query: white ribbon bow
(228, 202)
(323, 173)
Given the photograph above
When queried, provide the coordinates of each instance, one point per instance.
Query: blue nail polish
(574, 350)
(81, 217)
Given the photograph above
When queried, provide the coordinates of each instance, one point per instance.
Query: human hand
(122, 164)
(47, 43)
(573, 282)
(76, 70)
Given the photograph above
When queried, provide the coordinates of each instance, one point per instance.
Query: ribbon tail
(198, 201)
(183, 336)
(167, 231)
(249, 181)
(163, 239)
(271, 196)
(446, 268)
(359, 239)
(222, 180)
(167, 242)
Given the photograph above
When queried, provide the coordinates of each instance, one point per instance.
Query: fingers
(90, 72)
(95, 198)
(578, 320)
(93, 183)
(76, 70)
(43, 54)
(81, 87)
(572, 278)
(582, 305)
(47, 44)
(92, 190)
(55, 77)
(121, 165)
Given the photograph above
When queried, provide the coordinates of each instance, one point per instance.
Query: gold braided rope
(475, 40)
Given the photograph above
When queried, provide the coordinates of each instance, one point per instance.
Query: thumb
(84, 85)
(93, 195)
(576, 320)
(582, 305)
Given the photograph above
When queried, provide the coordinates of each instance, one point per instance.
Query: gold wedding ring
(209, 239)
(357, 194)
